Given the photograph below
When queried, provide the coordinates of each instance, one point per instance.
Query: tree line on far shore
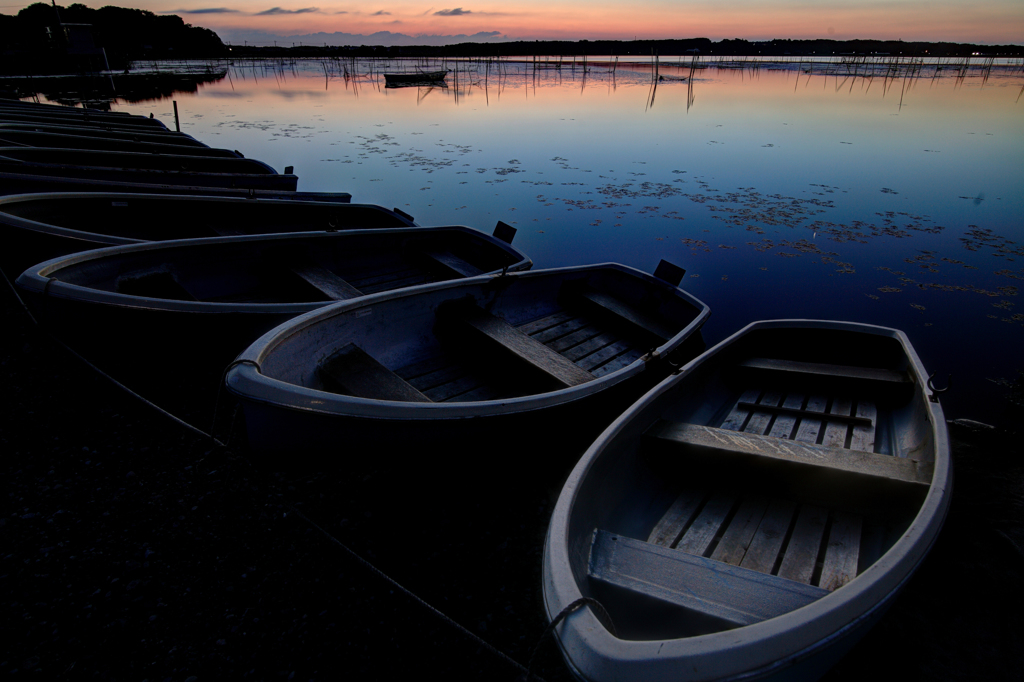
(646, 48)
(41, 34)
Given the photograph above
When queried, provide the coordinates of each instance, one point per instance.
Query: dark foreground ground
(134, 549)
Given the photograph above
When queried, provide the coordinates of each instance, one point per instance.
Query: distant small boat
(415, 78)
(196, 303)
(753, 516)
(481, 363)
(38, 227)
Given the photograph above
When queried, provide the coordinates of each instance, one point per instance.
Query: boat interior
(480, 352)
(158, 219)
(761, 484)
(294, 270)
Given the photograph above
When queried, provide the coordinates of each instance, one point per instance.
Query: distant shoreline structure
(663, 48)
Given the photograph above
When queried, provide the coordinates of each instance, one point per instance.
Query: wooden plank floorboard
(707, 524)
(592, 345)
(676, 518)
(809, 429)
(558, 331)
(863, 437)
(738, 416)
(545, 322)
(602, 356)
(771, 532)
(784, 423)
(759, 420)
(736, 539)
(574, 339)
(802, 551)
(627, 358)
(843, 552)
(835, 432)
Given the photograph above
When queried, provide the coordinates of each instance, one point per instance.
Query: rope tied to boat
(220, 392)
(934, 397)
(599, 611)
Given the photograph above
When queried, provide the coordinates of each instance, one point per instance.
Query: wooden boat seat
(725, 442)
(808, 429)
(588, 342)
(486, 330)
(356, 373)
(325, 281)
(827, 370)
(600, 304)
(733, 595)
(450, 264)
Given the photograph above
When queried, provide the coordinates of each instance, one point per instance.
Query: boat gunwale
(247, 382)
(40, 278)
(10, 220)
(127, 156)
(742, 652)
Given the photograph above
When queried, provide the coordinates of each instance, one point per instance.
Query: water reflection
(102, 91)
(880, 190)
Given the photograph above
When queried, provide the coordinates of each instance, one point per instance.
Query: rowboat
(398, 79)
(38, 227)
(14, 182)
(460, 363)
(171, 169)
(197, 303)
(754, 515)
(25, 112)
(155, 135)
(74, 140)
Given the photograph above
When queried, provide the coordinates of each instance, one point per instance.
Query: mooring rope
(602, 615)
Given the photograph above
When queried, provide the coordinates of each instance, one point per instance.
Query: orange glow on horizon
(986, 22)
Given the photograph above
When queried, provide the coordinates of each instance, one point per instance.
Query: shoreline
(138, 550)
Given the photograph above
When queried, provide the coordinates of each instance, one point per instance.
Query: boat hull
(618, 491)
(165, 169)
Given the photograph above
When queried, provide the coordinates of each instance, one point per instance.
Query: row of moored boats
(748, 513)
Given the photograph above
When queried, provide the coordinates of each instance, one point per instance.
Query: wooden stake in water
(177, 127)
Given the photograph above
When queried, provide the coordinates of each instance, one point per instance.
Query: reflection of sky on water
(782, 195)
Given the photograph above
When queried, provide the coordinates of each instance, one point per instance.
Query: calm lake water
(800, 190)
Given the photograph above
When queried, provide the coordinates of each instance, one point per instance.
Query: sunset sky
(985, 21)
